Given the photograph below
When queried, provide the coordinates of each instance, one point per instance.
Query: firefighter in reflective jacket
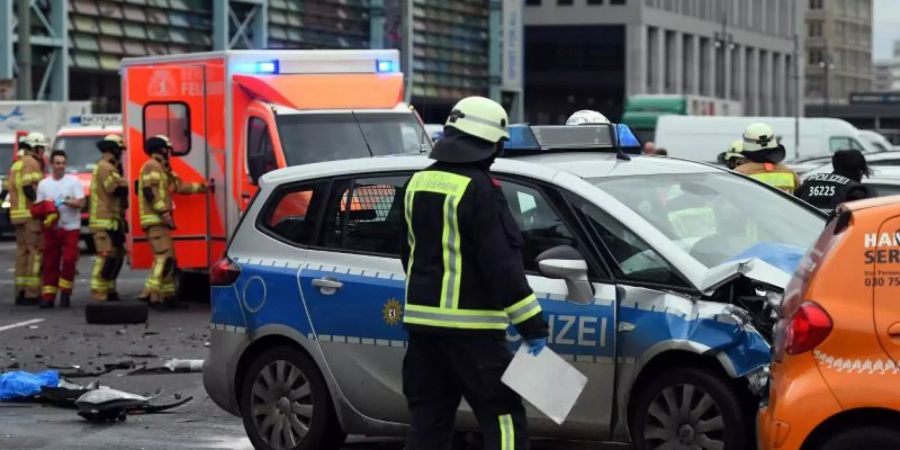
(465, 285)
(24, 176)
(763, 156)
(109, 194)
(828, 190)
(157, 183)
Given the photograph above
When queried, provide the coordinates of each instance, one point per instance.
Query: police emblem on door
(391, 312)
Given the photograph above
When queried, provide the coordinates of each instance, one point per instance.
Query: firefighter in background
(24, 176)
(156, 184)
(60, 199)
(733, 157)
(109, 194)
(763, 156)
(465, 285)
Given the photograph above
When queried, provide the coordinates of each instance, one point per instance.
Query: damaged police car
(657, 276)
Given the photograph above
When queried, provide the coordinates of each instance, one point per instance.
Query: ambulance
(233, 116)
(79, 140)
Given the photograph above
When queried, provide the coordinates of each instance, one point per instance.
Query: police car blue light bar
(266, 67)
(601, 137)
(384, 65)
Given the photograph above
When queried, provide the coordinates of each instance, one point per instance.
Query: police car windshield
(311, 138)
(81, 152)
(718, 217)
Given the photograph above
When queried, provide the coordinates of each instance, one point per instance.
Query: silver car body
(359, 350)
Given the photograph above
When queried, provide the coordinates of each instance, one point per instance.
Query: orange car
(835, 377)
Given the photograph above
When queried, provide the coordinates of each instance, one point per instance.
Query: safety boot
(65, 300)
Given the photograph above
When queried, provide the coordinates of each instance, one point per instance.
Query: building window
(616, 2)
(532, 2)
(595, 2)
(815, 4)
(564, 2)
(815, 28)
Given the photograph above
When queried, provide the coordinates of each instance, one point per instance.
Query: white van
(703, 138)
(877, 140)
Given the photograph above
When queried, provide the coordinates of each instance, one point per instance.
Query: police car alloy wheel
(285, 403)
(691, 408)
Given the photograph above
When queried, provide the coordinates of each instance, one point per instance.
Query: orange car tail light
(808, 327)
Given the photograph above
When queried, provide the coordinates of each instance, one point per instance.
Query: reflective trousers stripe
(462, 318)
(507, 433)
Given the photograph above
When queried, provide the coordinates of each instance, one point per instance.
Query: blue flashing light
(384, 65)
(521, 138)
(266, 67)
(626, 137)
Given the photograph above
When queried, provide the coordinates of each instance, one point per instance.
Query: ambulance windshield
(318, 137)
(717, 217)
(81, 152)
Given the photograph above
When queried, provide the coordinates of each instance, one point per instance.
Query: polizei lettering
(877, 251)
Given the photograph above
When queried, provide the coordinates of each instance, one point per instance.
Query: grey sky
(886, 28)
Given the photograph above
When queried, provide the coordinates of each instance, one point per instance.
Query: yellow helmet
(480, 117)
(111, 142)
(735, 149)
(586, 117)
(759, 136)
(35, 139)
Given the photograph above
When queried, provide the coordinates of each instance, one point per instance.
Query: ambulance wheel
(116, 313)
(871, 436)
(285, 403)
(691, 408)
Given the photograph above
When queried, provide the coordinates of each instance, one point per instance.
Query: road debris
(20, 385)
(172, 366)
(105, 405)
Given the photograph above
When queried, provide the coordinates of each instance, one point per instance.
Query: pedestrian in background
(764, 155)
(109, 194)
(24, 175)
(844, 184)
(465, 285)
(60, 199)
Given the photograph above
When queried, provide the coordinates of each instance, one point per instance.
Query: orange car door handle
(894, 331)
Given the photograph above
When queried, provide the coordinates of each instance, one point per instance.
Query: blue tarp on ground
(18, 385)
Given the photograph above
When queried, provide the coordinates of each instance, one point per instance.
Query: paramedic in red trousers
(465, 285)
(60, 198)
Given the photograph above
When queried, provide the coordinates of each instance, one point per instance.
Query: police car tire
(869, 436)
(737, 413)
(324, 429)
(116, 313)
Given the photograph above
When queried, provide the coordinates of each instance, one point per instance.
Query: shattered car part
(106, 405)
(172, 366)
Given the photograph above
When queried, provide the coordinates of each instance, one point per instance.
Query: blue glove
(59, 202)
(536, 345)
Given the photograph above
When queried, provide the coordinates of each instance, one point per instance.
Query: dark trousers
(439, 370)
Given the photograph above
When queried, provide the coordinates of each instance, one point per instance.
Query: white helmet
(480, 117)
(35, 139)
(586, 117)
(759, 136)
(735, 149)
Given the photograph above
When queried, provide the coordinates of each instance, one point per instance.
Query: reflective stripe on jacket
(462, 254)
(778, 176)
(26, 171)
(106, 208)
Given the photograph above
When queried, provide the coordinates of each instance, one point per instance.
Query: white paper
(546, 381)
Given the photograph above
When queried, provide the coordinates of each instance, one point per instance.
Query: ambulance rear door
(170, 100)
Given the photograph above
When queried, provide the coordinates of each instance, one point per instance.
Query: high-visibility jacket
(26, 171)
(107, 190)
(462, 255)
(161, 182)
(778, 176)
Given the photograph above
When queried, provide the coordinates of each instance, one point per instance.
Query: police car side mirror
(564, 262)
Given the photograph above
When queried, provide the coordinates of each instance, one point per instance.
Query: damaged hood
(767, 262)
(754, 268)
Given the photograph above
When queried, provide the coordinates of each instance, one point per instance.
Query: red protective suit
(60, 253)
